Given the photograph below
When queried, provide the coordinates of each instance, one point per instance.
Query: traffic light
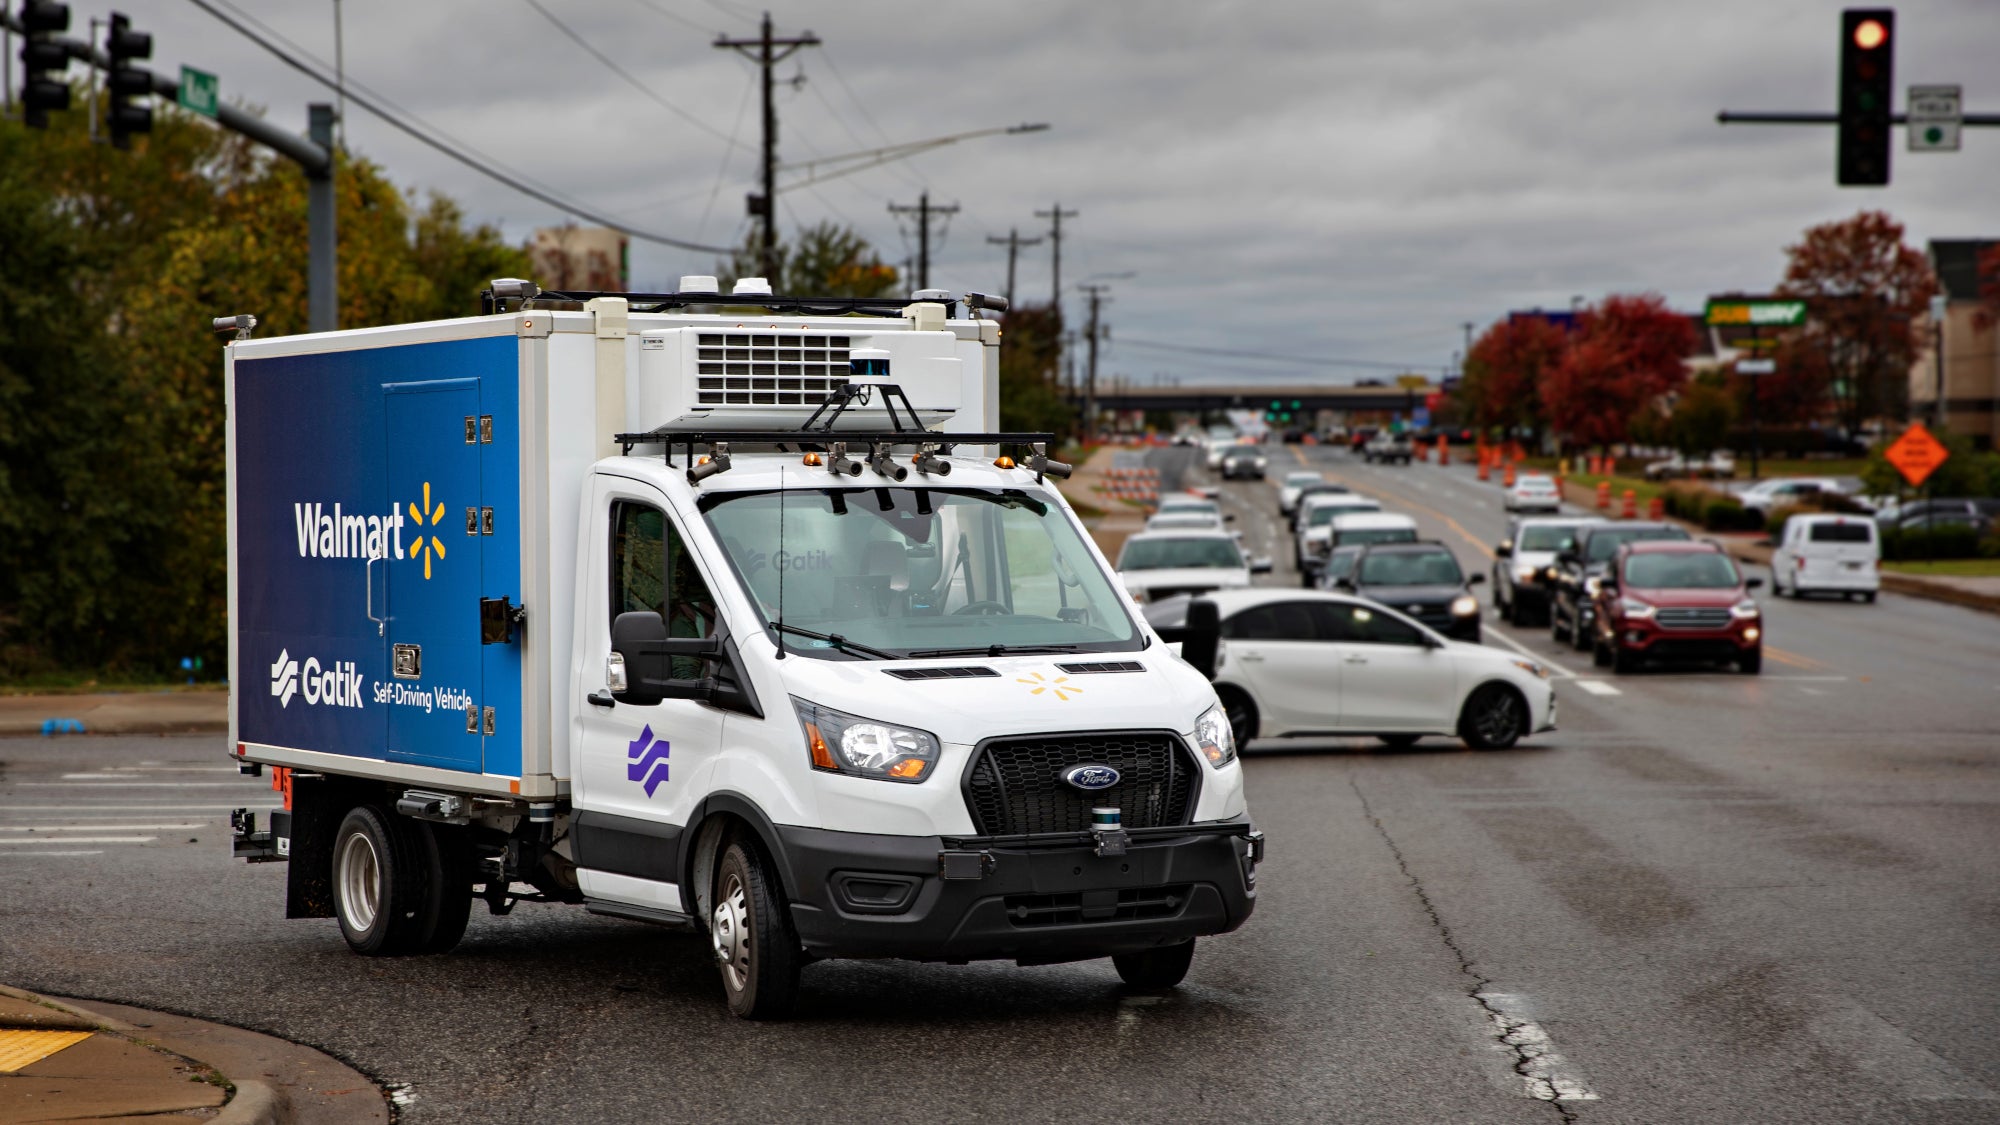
(131, 86)
(43, 60)
(1867, 79)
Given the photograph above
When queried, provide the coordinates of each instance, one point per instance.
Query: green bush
(1949, 542)
(1724, 513)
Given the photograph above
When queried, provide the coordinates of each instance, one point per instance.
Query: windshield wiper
(994, 650)
(852, 648)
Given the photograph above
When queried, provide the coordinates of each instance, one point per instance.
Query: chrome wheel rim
(1497, 720)
(360, 882)
(729, 929)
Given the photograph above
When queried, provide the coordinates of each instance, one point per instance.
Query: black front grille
(1162, 593)
(1079, 907)
(1103, 666)
(967, 672)
(1016, 787)
(1693, 618)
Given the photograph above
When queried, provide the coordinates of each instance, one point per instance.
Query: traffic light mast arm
(315, 159)
(1727, 117)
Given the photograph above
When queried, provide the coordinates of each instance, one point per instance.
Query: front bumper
(1037, 900)
(1648, 639)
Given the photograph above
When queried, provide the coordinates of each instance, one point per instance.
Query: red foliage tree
(1504, 372)
(1989, 286)
(1628, 351)
(1866, 291)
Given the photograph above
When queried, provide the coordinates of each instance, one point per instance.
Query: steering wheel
(985, 608)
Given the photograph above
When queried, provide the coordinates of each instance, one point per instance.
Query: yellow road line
(20, 1048)
(1792, 658)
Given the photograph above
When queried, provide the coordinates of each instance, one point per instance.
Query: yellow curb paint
(26, 1048)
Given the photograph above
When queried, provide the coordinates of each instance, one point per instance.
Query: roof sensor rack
(494, 299)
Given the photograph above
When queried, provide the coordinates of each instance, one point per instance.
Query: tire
(1578, 639)
(1600, 654)
(1242, 714)
(1399, 741)
(1556, 632)
(1624, 661)
(1155, 969)
(378, 882)
(446, 902)
(1494, 718)
(1752, 664)
(750, 929)
(1868, 597)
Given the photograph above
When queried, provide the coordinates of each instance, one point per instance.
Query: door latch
(498, 618)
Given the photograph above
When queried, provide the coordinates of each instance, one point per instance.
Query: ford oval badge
(1091, 778)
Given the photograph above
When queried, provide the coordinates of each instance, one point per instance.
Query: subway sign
(1756, 313)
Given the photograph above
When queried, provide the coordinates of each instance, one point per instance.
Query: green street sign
(1756, 313)
(200, 92)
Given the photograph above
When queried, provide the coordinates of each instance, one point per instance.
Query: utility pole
(1056, 215)
(1940, 305)
(1093, 332)
(767, 54)
(1013, 242)
(923, 210)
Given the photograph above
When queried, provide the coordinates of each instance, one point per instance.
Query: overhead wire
(673, 15)
(1274, 357)
(722, 170)
(629, 78)
(453, 150)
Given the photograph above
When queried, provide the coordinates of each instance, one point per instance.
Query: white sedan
(1294, 483)
(1533, 492)
(1160, 564)
(1298, 663)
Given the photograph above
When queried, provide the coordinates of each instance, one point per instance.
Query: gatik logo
(648, 764)
(336, 686)
(789, 560)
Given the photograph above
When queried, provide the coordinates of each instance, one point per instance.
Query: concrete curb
(255, 1103)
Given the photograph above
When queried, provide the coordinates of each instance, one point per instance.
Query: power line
(1275, 357)
(768, 56)
(923, 209)
(672, 15)
(723, 169)
(630, 80)
(1056, 214)
(1013, 242)
(511, 180)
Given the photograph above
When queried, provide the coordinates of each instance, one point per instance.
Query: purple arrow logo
(649, 760)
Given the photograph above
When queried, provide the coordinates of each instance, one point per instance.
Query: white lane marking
(1888, 1057)
(1545, 1074)
(100, 827)
(108, 784)
(1812, 691)
(1598, 687)
(1517, 646)
(163, 810)
(1805, 679)
(86, 840)
(110, 771)
(38, 855)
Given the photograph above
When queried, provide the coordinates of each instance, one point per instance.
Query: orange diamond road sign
(1916, 454)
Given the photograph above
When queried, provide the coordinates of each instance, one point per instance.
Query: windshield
(1546, 538)
(1698, 571)
(1319, 515)
(1181, 521)
(906, 569)
(1604, 544)
(1168, 553)
(1190, 506)
(1411, 568)
(1363, 535)
(1298, 480)
(1339, 564)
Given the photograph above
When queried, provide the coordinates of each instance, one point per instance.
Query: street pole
(1055, 215)
(1939, 306)
(339, 75)
(322, 277)
(1756, 393)
(767, 55)
(1013, 242)
(923, 211)
(1092, 333)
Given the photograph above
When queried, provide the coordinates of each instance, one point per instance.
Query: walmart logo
(648, 760)
(426, 546)
(284, 678)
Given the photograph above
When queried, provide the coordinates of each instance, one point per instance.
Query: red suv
(1673, 599)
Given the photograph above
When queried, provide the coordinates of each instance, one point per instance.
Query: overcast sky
(1350, 181)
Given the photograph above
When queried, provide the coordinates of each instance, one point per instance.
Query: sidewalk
(63, 1062)
(150, 712)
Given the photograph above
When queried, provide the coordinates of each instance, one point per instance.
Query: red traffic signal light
(1867, 78)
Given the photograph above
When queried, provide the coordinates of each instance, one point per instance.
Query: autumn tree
(1627, 352)
(1702, 414)
(1865, 292)
(1504, 371)
(823, 260)
(1031, 397)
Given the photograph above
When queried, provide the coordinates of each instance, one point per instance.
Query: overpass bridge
(1346, 398)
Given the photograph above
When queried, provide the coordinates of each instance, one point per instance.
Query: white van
(1833, 554)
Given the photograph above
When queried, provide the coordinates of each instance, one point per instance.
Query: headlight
(1524, 574)
(1532, 668)
(1213, 737)
(1548, 574)
(1464, 605)
(844, 743)
(1635, 609)
(1744, 608)
(1592, 585)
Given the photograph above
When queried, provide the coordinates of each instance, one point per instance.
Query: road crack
(1534, 1059)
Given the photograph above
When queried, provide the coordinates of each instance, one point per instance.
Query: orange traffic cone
(1604, 496)
(1631, 506)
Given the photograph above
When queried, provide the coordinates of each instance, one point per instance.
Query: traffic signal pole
(313, 154)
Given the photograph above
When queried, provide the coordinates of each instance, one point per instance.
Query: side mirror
(1260, 564)
(1229, 517)
(640, 638)
(1567, 557)
(1475, 580)
(1505, 550)
(1201, 637)
(1345, 585)
(1753, 583)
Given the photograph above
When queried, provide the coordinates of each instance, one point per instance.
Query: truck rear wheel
(755, 948)
(377, 877)
(1160, 968)
(445, 905)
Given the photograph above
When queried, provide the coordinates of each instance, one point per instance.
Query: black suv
(1580, 569)
(1423, 580)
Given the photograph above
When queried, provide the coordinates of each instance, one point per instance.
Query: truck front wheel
(755, 948)
(377, 877)
(1154, 969)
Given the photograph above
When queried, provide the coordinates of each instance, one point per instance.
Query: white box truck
(725, 612)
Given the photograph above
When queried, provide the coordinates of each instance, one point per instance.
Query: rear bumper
(1012, 898)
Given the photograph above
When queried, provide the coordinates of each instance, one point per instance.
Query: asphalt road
(1707, 897)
